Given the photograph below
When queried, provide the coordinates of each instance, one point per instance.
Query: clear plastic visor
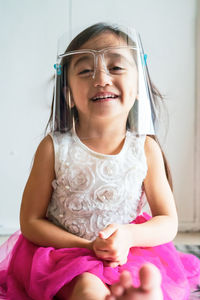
(105, 72)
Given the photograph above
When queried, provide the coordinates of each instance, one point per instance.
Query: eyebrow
(124, 58)
(82, 58)
(117, 55)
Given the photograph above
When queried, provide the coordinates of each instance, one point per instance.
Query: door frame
(195, 224)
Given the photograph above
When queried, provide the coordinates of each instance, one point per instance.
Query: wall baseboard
(189, 227)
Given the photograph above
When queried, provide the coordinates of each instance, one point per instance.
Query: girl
(80, 214)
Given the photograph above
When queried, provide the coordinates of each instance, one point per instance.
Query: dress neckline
(99, 154)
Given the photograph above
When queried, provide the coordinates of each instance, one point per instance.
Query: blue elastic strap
(145, 59)
(58, 69)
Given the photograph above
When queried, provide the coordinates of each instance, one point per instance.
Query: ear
(67, 93)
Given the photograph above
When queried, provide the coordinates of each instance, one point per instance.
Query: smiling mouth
(104, 98)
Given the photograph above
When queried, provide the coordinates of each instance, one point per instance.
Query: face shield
(115, 73)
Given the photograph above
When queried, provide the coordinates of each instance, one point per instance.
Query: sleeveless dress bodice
(92, 190)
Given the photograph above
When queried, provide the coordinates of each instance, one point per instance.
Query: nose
(101, 78)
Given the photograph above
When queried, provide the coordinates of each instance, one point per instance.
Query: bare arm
(37, 194)
(163, 226)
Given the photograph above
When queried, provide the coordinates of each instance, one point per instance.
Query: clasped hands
(112, 245)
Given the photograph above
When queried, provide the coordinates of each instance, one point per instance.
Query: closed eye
(116, 69)
(85, 72)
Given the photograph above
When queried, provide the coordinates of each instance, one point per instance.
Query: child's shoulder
(43, 158)
(51, 146)
(151, 144)
(152, 150)
(60, 143)
(45, 148)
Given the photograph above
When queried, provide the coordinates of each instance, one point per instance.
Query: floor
(187, 238)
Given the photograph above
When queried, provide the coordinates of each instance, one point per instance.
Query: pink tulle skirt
(31, 272)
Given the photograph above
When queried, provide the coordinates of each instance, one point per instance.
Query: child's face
(122, 85)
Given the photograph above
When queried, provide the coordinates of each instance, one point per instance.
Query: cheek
(130, 89)
(133, 86)
(73, 88)
(79, 92)
(77, 86)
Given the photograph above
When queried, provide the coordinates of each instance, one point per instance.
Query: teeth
(104, 97)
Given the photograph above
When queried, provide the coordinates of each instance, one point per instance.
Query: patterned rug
(195, 250)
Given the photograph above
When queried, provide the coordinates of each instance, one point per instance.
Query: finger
(110, 297)
(106, 256)
(103, 255)
(110, 264)
(108, 245)
(108, 231)
(117, 289)
(149, 277)
(125, 279)
(100, 245)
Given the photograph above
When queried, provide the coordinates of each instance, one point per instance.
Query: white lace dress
(92, 190)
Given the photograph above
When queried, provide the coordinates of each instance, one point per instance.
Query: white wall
(29, 31)
(28, 35)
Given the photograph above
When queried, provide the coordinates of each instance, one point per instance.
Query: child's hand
(113, 245)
